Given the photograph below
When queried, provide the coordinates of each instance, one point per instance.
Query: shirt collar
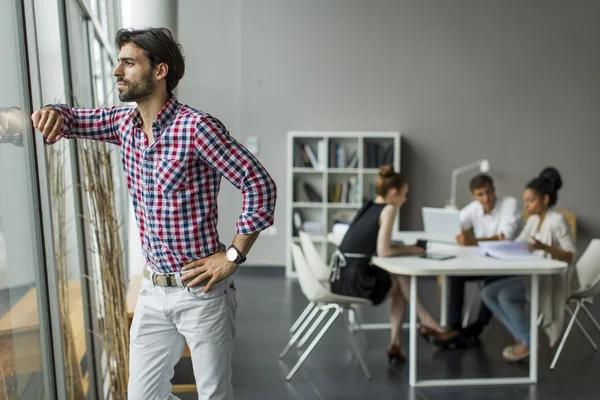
(494, 209)
(164, 116)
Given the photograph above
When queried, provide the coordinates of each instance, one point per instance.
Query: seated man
(490, 218)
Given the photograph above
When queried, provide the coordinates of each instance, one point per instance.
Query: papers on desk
(507, 250)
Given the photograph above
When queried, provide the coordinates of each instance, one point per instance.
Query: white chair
(324, 301)
(320, 270)
(588, 273)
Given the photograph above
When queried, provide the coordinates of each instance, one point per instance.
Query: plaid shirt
(174, 183)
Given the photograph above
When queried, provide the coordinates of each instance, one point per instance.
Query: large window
(24, 327)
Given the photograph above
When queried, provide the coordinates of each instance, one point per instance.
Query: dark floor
(269, 303)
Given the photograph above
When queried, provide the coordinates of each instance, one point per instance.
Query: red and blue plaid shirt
(174, 182)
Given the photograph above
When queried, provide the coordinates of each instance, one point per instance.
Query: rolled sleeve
(215, 146)
(95, 124)
(465, 218)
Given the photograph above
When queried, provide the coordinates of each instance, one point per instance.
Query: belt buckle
(178, 280)
(153, 278)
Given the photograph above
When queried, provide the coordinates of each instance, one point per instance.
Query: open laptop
(441, 225)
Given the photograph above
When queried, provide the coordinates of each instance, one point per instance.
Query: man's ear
(161, 71)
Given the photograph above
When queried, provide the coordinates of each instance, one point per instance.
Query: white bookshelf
(327, 173)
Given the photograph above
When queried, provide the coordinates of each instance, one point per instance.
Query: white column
(150, 13)
(144, 14)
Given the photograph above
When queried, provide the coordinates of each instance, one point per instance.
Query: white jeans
(164, 319)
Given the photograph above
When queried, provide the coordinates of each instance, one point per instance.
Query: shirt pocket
(171, 175)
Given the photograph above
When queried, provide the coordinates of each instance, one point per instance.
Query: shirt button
(145, 161)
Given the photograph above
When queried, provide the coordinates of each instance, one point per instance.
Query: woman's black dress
(358, 278)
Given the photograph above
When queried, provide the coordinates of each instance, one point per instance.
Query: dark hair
(548, 183)
(479, 181)
(159, 47)
(388, 179)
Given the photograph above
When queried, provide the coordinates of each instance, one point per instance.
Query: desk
(467, 263)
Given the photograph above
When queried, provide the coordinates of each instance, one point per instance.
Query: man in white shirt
(489, 218)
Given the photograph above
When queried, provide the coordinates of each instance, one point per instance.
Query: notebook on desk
(507, 250)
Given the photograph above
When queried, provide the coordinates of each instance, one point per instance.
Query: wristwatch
(234, 255)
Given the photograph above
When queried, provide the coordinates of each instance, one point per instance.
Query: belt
(338, 261)
(170, 280)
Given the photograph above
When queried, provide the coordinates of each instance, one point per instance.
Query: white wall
(515, 82)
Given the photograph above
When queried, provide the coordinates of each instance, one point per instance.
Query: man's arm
(227, 156)
(233, 161)
(466, 237)
(59, 120)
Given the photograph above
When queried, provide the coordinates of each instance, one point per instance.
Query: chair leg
(356, 350)
(298, 333)
(356, 325)
(313, 327)
(353, 323)
(582, 329)
(304, 314)
(565, 335)
(314, 343)
(590, 316)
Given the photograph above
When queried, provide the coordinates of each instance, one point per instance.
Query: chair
(324, 301)
(588, 272)
(320, 270)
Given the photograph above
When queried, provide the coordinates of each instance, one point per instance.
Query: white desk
(467, 263)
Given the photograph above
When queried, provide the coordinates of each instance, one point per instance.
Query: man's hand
(465, 240)
(213, 269)
(49, 122)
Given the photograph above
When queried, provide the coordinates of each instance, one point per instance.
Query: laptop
(441, 225)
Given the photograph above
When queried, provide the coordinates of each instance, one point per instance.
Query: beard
(136, 91)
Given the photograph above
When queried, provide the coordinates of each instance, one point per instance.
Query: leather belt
(170, 280)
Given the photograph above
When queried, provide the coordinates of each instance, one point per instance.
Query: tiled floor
(268, 304)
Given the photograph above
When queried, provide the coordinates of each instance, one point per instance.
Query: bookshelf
(330, 175)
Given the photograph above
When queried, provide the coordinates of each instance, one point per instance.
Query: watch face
(231, 255)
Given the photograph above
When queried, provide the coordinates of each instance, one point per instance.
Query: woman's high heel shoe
(429, 334)
(395, 355)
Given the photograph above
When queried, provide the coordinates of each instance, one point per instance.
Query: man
(173, 157)
(489, 218)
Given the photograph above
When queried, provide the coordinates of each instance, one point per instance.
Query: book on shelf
(309, 226)
(377, 155)
(339, 158)
(305, 192)
(344, 192)
(305, 156)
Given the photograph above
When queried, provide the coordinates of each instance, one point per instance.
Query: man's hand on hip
(213, 269)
